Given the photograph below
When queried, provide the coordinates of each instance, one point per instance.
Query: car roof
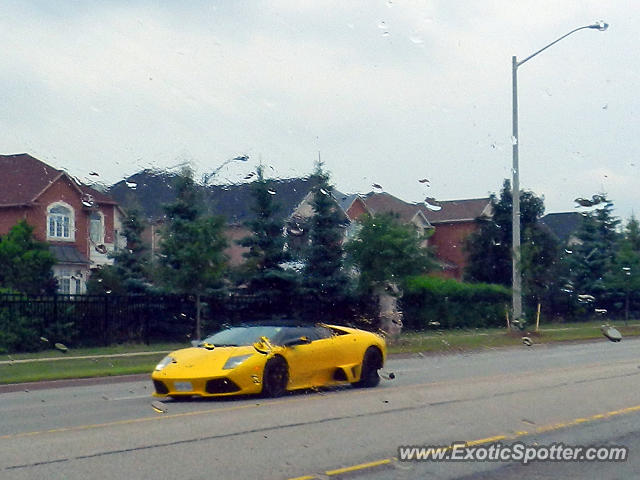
(278, 322)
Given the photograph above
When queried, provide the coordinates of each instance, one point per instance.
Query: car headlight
(164, 362)
(233, 362)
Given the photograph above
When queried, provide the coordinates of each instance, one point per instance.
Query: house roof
(68, 254)
(562, 225)
(154, 189)
(386, 203)
(456, 210)
(24, 178)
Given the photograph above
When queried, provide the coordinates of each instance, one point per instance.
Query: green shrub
(453, 304)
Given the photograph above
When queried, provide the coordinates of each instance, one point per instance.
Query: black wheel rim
(276, 377)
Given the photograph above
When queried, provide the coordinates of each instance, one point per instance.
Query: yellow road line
(362, 466)
(482, 441)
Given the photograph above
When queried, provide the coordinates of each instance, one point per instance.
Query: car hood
(197, 358)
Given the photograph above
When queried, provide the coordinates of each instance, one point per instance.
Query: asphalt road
(580, 394)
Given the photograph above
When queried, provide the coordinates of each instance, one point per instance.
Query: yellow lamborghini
(271, 358)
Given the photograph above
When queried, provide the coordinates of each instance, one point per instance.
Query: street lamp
(515, 187)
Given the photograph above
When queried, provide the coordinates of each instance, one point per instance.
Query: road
(578, 394)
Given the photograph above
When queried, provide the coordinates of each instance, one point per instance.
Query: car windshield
(241, 336)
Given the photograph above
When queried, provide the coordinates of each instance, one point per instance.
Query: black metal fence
(95, 320)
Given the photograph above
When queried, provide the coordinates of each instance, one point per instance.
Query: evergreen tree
(26, 263)
(324, 276)
(623, 280)
(192, 259)
(263, 269)
(489, 249)
(593, 257)
(131, 269)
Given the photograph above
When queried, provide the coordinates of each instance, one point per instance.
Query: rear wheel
(275, 377)
(371, 363)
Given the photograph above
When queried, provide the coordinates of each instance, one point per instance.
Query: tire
(275, 377)
(371, 363)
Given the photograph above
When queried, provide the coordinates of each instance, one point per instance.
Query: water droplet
(382, 25)
(385, 34)
(601, 311)
(605, 106)
(431, 206)
(514, 140)
(271, 192)
(527, 341)
(131, 185)
(626, 269)
(63, 348)
(377, 186)
(107, 292)
(323, 191)
(44, 339)
(94, 174)
(424, 180)
(585, 298)
(417, 40)
(568, 252)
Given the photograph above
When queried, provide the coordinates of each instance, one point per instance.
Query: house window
(64, 281)
(60, 222)
(68, 282)
(96, 229)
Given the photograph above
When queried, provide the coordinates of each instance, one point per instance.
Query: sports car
(271, 358)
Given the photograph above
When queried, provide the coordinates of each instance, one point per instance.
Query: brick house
(450, 222)
(80, 223)
(454, 221)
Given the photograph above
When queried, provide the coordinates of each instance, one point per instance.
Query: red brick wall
(448, 242)
(235, 251)
(10, 216)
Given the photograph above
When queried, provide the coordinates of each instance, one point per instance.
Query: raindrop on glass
(271, 192)
(585, 298)
(514, 140)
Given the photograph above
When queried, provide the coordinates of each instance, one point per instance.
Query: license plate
(183, 386)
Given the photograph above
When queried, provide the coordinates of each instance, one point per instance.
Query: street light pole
(515, 187)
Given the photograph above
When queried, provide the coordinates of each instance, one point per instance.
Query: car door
(309, 362)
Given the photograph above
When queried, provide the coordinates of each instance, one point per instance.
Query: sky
(385, 92)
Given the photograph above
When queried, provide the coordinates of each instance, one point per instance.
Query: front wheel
(371, 363)
(275, 377)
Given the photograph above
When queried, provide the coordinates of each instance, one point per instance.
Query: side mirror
(263, 345)
(298, 341)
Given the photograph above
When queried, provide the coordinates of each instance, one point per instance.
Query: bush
(453, 304)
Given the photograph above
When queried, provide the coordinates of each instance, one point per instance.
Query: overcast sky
(389, 92)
